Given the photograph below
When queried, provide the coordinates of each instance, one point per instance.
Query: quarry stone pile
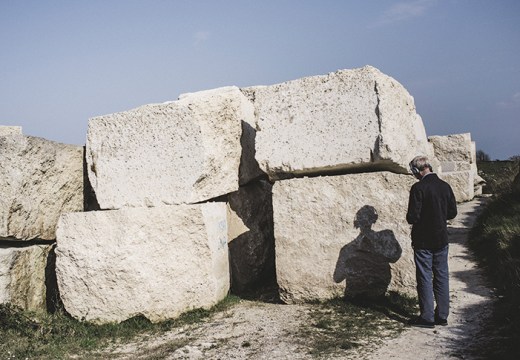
(179, 152)
(302, 184)
(342, 235)
(350, 119)
(157, 262)
(458, 164)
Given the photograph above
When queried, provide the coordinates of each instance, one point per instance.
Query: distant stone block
(462, 183)
(346, 120)
(456, 147)
(449, 166)
(184, 151)
(156, 262)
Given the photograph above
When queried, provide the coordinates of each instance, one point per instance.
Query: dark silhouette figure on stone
(364, 263)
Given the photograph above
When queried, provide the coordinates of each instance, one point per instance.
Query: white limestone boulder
(23, 276)
(455, 147)
(349, 119)
(184, 151)
(39, 181)
(457, 155)
(156, 262)
(342, 235)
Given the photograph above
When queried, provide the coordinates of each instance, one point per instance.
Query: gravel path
(253, 330)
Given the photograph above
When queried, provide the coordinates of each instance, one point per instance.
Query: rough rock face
(456, 147)
(183, 151)
(23, 275)
(39, 180)
(349, 119)
(462, 184)
(157, 262)
(251, 254)
(342, 235)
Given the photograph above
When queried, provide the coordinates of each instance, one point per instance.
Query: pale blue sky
(63, 62)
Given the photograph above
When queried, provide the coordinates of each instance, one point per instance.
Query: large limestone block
(251, 254)
(157, 262)
(39, 181)
(184, 151)
(348, 119)
(23, 276)
(462, 183)
(456, 147)
(343, 235)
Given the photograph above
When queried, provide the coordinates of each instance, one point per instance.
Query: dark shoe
(441, 322)
(420, 322)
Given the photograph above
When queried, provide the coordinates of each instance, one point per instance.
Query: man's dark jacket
(430, 205)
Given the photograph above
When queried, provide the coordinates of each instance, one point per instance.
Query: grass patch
(58, 336)
(499, 175)
(340, 324)
(495, 241)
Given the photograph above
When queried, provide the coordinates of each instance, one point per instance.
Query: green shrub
(499, 175)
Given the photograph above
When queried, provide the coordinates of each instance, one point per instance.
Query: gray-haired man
(430, 205)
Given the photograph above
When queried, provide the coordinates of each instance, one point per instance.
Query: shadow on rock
(364, 263)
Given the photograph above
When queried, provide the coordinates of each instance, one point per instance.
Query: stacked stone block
(39, 181)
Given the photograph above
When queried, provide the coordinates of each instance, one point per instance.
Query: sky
(63, 62)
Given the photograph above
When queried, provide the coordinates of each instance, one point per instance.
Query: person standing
(431, 204)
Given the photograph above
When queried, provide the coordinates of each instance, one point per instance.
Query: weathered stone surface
(456, 147)
(457, 154)
(184, 151)
(350, 229)
(449, 166)
(252, 258)
(345, 120)
(23, 276)
(10, 130)
(39, 180)
(462, 183)
(157, 262)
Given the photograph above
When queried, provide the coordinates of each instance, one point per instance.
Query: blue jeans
(431, 269)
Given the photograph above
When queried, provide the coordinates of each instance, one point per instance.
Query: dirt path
(252, 330)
